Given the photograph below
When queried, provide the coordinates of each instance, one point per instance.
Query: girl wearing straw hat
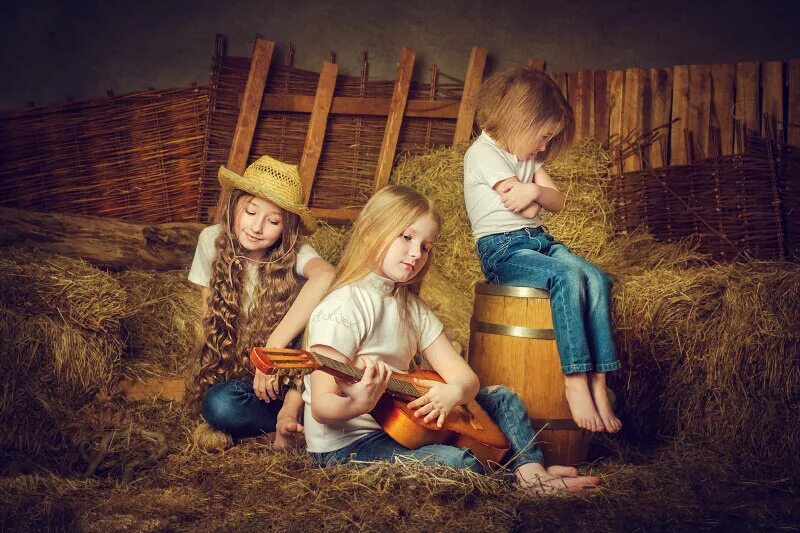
(251, 267)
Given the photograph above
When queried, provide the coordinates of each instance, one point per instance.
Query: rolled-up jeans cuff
(575, 369)
(607, 367)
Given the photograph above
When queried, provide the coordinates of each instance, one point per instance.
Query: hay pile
(162, 323)
(59, 344)
(251, 486)
(711, 355)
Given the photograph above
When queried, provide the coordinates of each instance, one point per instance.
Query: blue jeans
(580, 293)
(502, 404)
(233, 407)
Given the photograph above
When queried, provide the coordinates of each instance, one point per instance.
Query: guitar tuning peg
(287, 380)
(298, 382)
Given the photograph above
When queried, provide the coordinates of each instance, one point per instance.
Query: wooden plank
(600, 106)
(772, 99)
(723, 82)
(171, 389)
(472, 84)
(793, 126)
(251, 103)
(615, 92)
(660, 115)
(748, 100)
(317, 126)
(537, 64)
(405, 68)
(680, 115)
(581, 98)
(561, 80)
(336, 216)
(699, 112)
(572, 98)
(347, 105)
(635, 113)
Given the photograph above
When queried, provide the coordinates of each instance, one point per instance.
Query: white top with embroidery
(362, 320)
(485, 164)
(200, 273)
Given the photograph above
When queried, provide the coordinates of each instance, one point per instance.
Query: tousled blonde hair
(383, 219)
(523, 101)
(229, 330)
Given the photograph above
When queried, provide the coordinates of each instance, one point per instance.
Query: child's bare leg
(534, 477)
(288, 430)
(597, 382)
(579, 398)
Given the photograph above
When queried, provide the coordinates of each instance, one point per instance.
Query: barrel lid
(508, 290)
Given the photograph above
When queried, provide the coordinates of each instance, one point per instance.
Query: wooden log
(103, 242)
(660, 115)
(678, 154)
(793, 122)
(348, 105)
(405, 68)
(723, 82)
(748, 102)
(317, 126)
(469, 97)
(772, 100)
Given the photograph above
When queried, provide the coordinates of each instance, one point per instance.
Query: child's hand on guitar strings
(367, 391)
(437, 403)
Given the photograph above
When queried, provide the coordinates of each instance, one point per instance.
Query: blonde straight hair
(523, 101)
(384, 218)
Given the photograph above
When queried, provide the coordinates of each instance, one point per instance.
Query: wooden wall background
(153, 156)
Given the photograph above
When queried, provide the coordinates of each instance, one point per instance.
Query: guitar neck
(395, 386)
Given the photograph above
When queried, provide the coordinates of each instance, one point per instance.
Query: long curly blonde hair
(229, 329)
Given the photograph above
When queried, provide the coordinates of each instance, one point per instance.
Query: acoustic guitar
(468, 426)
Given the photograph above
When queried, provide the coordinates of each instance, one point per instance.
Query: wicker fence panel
(135, 157)
(738, 205)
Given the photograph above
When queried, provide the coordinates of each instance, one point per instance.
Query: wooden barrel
(512, 343)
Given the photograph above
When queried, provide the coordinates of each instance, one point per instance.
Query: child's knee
(219, 407)
(571, 275)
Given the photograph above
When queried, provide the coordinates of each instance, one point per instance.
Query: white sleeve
(338, 322)
(200, 273)
(486, 165)
(428, 324)
(305, 254)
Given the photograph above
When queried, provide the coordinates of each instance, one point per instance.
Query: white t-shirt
(363, 320)
(485, 164)
(200, 273)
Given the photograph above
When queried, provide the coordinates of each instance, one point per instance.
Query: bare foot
(533, 477)
(597, 382)
(580, 402)
(288, 434)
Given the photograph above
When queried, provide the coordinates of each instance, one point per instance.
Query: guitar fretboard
(396, 386)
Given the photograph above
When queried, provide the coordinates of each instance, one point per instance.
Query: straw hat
(275, 181)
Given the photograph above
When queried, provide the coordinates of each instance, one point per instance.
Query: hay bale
(710, 354)
(451, 306)
(50, 370)
(162, 323)
(330, 241)
(586, 224)
(40, 283)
